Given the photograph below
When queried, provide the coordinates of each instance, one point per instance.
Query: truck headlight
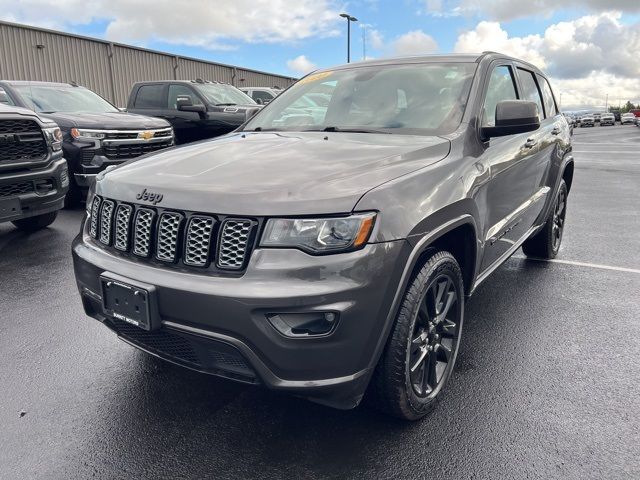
(319, 235)
(53, 135)
(78, 133)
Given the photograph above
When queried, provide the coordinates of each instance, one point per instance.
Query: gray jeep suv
(330, 256)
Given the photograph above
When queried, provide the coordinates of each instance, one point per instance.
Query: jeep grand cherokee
(331, 256)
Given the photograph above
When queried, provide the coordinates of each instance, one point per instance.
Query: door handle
(555, 131)
(531, 142)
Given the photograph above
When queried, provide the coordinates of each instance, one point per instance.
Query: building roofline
(148, 50)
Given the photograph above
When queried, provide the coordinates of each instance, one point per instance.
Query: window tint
(261, 95)
(150, 96)
(501, 87)
(547, 96)
(530, 90)
(181, 90)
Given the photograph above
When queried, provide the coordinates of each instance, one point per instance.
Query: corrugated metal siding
(108, 69)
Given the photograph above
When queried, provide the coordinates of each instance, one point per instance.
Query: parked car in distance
(261, 95)
(587, 121)
(33, 173)
(329, 257)
(196, 109)
(607, 119)
(596, 117)
(626, 118)
(96, 134)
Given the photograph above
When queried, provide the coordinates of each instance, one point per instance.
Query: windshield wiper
(225, 104)
(351, 130)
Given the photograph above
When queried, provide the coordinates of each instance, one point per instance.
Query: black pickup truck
(197, 109)
(96, 134)
(33, 174)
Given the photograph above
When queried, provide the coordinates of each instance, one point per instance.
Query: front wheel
(38, 222)
(423, 345)
(546, 243)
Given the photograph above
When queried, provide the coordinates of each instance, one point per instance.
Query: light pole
(606, 104)
(349, 20)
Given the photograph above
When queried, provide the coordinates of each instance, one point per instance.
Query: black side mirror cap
(513, 116)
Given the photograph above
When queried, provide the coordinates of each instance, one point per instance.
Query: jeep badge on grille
(154, 198)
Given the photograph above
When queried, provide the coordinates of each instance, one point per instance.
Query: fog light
(307, 324)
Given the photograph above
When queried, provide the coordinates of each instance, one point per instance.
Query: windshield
(51, 99)
(427, 98)
(222, 94)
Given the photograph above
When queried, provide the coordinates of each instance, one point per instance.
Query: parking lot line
(581, 264)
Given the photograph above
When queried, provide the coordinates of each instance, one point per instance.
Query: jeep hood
(266, 173)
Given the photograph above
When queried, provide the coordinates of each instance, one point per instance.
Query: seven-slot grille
(170, 236)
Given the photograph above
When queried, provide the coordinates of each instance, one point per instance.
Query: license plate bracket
(10, 207)
(130, 301)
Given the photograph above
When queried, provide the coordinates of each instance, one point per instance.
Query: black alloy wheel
(559, 212)
(435, 337)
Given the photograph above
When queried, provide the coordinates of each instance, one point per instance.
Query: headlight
(90, 194)
(53, 135)
(89, 134)
(319, 235)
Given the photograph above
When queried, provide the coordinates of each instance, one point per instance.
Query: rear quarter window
(547, 97)
(150, 96)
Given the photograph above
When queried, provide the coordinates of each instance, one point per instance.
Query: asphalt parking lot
(547, 382)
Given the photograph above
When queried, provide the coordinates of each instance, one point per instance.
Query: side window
(261, 95)
(547, 95)
(150, 96)
(530, 89)
(4, 98)
(181, 90)
(501, 87)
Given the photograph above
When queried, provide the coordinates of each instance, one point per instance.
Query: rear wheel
(546, 243)
(422, 347)
(31, 224)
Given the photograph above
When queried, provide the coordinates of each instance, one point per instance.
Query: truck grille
(171, 237)
(123, 151)
(14, 189)
(21, 140)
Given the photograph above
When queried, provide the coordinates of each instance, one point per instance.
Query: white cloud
(503, 10)
(586, 58)
(203, 23)
(301, 65)
(415, 42)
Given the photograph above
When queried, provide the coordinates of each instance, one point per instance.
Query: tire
(74, 195)
(424, 339)
(546, 243)
(31, 224)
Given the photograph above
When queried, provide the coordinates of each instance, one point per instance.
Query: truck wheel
(31, 224)
(423, 344)
(546, 243)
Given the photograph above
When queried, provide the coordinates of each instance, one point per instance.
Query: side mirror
(4, 98)
(185, 104)
(513, 116)
(259, 101)
(249, 113)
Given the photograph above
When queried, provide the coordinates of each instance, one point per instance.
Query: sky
(589, 48)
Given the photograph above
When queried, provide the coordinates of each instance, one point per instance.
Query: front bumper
(35, 200)
(220, 321)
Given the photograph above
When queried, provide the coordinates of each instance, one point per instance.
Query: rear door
(507, 198)
(149, 100)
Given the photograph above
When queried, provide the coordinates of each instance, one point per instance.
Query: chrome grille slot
(198, 241)
(106, 217)
(143, 226)
(123, 225)
(234, 240)
(169, 226)
(178, 239)
(95, 210)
